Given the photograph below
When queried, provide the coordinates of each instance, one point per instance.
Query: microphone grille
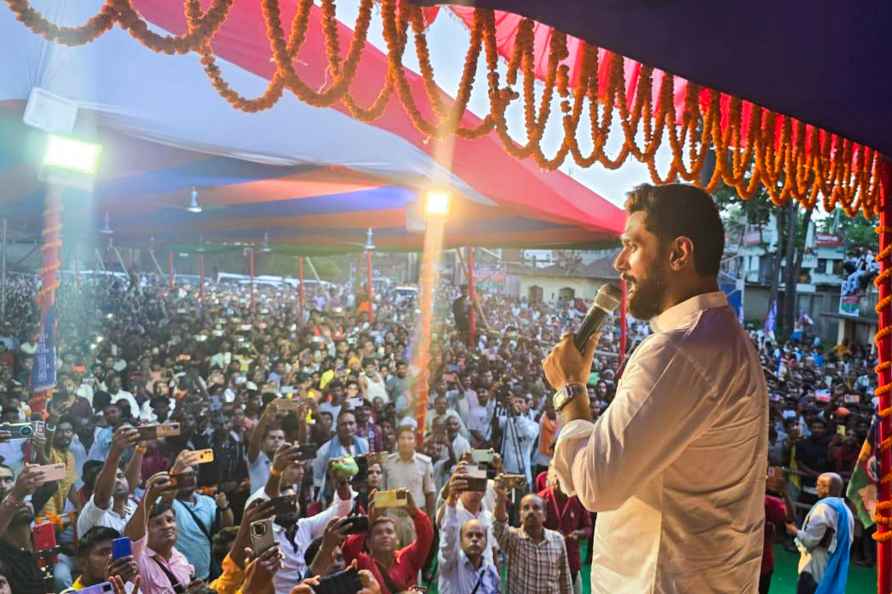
(609, 297)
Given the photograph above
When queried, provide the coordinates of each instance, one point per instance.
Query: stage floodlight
(72, 155)
(436, 203)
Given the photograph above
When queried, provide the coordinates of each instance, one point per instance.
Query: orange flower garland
(787, 157)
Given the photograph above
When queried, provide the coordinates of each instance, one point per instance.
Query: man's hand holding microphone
(569, 363)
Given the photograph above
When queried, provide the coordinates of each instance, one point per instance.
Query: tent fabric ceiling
(482, 162)
(813, 60)
(308, 209)
(310, 178)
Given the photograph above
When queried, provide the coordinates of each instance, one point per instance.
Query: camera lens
(26, 431)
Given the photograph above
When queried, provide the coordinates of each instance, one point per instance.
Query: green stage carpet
(862, 580)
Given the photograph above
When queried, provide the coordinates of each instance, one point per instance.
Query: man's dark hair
(675, 210)
(90, 472)
(158, 400)
(159, 508)
(101, 399)
(93, 537)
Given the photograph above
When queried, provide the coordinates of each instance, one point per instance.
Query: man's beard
(647, 298)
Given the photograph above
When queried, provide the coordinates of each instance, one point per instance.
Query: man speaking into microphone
(676, 466)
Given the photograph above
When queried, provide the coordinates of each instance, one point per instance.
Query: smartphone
(284, 504)
(342, 582)
(841, 430)
(51, 472)
(391, 498)
(355, 524)
(262, 537)
(102, 588)
(156, 431)
(482, 456)
(121, 547)
(203, 456)
(307, 452)
(18, 430)
(287, 404)
(514, 481)
(476, 478)
(44, 537)
(354, 402)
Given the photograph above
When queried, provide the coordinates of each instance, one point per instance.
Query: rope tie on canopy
(754, 146)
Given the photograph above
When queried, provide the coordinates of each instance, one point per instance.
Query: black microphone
(606, 301)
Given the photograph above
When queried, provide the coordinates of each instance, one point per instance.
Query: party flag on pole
(862, 489)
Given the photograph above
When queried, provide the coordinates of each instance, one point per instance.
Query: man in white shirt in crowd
(119, 394)
(480, 412)
(464, 565)
(825, 540)
(470, 505)
(294, 534)
(676, 466)
(373, 384)
(460, 445)
(266, 438)
(442, 413)
(519, 433)
(111, 504)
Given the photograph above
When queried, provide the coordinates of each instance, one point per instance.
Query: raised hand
(411, 507)
(457, 484)
(124, 568)
(285, 456)
(159, 483)
(27, 482)
(124, 437)
(221, 500)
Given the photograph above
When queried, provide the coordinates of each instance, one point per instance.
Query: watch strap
(568, 393)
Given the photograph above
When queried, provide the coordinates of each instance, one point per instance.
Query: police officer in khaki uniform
(407, 469)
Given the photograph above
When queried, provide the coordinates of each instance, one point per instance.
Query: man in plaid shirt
(537, 556)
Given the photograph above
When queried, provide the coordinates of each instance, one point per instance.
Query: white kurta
(677, 463)
(813, 557)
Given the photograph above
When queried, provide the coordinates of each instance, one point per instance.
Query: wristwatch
(563, 396)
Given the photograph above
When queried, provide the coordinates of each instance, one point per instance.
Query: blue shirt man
(196, 515)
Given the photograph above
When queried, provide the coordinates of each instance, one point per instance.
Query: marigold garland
(883, 513)
(785, 156)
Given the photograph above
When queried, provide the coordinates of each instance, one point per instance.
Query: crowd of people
(181, 428)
